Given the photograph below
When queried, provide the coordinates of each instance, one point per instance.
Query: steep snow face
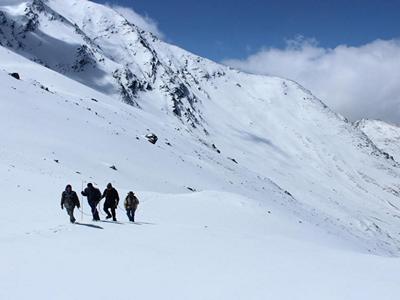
(265, 138)
(98, 47)
(384, 135)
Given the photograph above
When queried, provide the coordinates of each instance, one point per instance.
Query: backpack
(97, 194)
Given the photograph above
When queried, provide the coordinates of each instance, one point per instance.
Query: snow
(198, 246)
(310, 209)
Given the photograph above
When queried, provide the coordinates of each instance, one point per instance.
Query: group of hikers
(70, 200)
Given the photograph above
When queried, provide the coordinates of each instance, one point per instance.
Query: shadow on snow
(89, 225)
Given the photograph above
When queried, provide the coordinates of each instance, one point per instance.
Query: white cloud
(359, 82)
(143, 22)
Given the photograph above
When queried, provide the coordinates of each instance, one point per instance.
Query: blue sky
(220, 29)
(348, 53)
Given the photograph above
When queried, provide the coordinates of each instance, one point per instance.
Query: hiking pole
(84, 213)
(98, 207)
(82, 204)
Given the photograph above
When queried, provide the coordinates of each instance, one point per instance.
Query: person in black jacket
(93, 195)
(112, 200)
(70, 200)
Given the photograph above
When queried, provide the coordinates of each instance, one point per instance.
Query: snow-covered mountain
(273, 128)
(255, 160)
(384, 135)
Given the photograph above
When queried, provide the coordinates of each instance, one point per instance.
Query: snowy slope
(384, 135)
(282, 185)
(206, 245)
(274, 128)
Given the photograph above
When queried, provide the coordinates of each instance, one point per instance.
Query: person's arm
(104, 194)
(84, 193)
(77, 203)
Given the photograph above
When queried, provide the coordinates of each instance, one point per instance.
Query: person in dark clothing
(70, 200)
(131, 203)
(93, 195)
(111, 203)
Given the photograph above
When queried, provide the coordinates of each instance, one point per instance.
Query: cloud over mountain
(359, 82)
(142, 21)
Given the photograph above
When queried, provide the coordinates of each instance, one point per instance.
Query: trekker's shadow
(89, 225)
(143, 223)
(112, 222)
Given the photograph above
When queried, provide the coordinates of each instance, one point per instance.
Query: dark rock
(114, 168)
(152, 138)
(15, 75)
(38, 5)
(216, 149)
(232, 159)
(45, 88)
(84, 56)
(289, 194)
(130, 85)
(387, 156)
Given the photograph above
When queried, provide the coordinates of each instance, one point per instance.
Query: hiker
(112, 200)
(131, 203)
(69, 199)
(93, 196)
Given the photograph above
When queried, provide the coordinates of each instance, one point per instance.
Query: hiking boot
(108, 217)
(114, 219)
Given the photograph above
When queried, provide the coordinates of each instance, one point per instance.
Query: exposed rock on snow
(152, 138)
(15, 75)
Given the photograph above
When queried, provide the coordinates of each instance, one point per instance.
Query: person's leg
(96, 215)
(114, 216)
(106, 210)
(68, 213)
(133, 214)
(97, 212)
(93, 210)
(128, 213)
(71, 215)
